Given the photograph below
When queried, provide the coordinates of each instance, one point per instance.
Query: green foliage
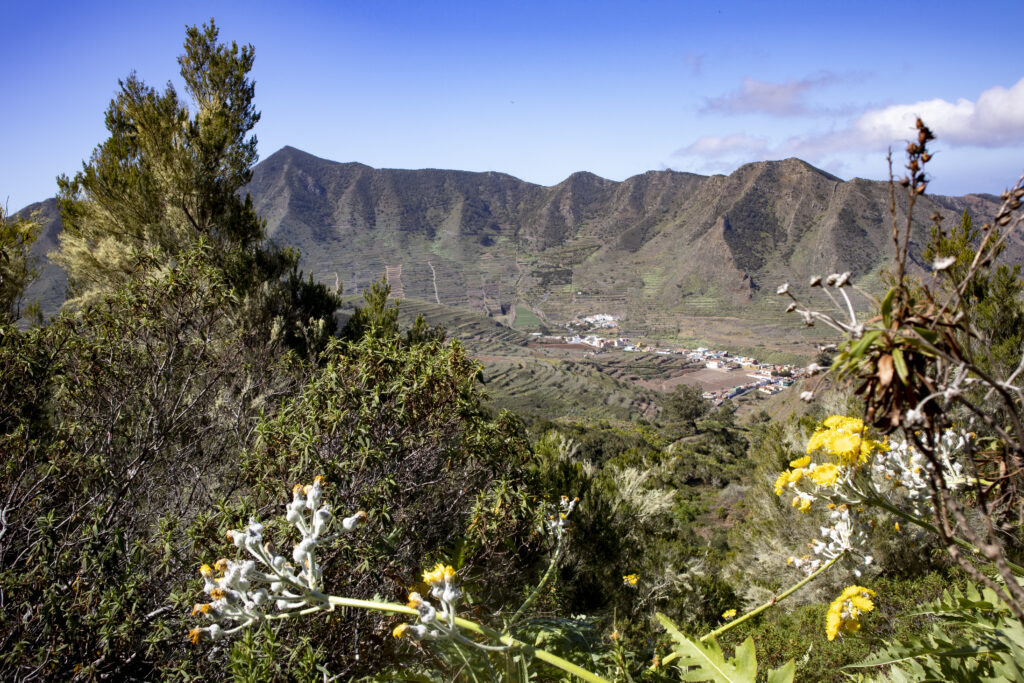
(262, 655)
(126, 415)
(976, 638)
(379, 318)
(17, 267)
(398, 431)
(990, 297)
(683, 407)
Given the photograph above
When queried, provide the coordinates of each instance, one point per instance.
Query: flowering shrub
(242, 592)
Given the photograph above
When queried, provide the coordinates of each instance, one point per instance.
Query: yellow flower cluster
(845, 611)
(843, 438)
(630, 580)
(729, 614)
(438, 574)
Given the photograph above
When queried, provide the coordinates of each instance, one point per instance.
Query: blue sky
(542, 89)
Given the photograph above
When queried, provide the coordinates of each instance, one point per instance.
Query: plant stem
(479, 629)
(540, 586)
(754, 612)
(973, 549)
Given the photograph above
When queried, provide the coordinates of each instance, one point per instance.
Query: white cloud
(994, 120)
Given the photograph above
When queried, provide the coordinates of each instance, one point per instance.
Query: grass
(526, 319)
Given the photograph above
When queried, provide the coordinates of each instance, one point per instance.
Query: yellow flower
(206, 571)
(787, 478)
(415, 600)
(824, 475)
(400, 630)
(729, 614)
(630, 580)
(194, 635)
(801, 503)
(221, 565)
(845, 611)
(896, 526)
(801, 462)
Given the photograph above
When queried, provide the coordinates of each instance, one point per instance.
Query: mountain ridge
(652, 248)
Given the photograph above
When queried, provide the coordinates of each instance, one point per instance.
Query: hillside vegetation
(218, 467)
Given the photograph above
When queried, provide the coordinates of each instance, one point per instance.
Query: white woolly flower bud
(236, 537)
(783, 289)
(427, 612)
(302, 550)
(350, 523)
(451, 594)
(313, 495)
(320, 519)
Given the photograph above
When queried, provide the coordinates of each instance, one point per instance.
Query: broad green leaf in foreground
(706, 662)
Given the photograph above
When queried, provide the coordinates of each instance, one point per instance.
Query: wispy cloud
(774, 99)
(714, 146)
(694, 62)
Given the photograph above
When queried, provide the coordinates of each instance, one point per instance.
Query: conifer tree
(170, 175)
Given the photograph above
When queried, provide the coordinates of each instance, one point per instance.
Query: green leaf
(707, 661)
(784, 674)
(901, 365)
(887, 307)
(858, 349)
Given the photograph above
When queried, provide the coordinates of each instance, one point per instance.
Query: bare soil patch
(705, 378)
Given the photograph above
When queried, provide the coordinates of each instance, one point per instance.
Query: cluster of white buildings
(597, 321)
